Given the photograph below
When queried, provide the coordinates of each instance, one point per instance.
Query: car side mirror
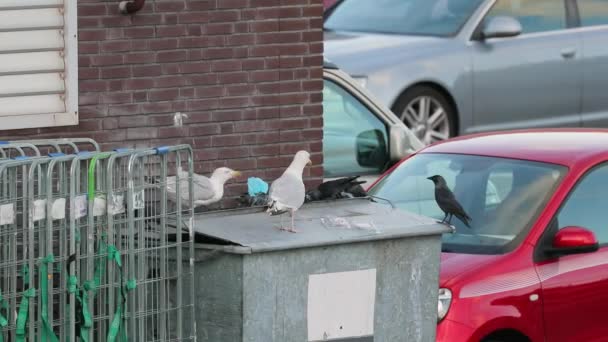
(501, 27)
(402, 142)
(371, 149)
(573, 240)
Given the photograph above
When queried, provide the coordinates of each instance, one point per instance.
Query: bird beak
(236, 174)
(309, 162)
(430, 178)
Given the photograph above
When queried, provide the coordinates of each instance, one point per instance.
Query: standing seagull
(287, 192)
(205, 190)
(447, 202)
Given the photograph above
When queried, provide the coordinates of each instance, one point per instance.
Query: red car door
(574, 291)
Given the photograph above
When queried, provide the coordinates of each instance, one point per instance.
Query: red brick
(115, 46)
(210, 91)
(132, 121)
(88, 47)
(139, 83)
(193, 17)
(164, 44)
(147, 70)
(233, 3)
(249, 126)
(219, 16)
(171, 31)
(219, 28)
(264, 76)
(171, 56)
(116, 72)
(264, 26)
(230, 65)
(194, 67)
(94, 35)
(233, 77)
(234, 152)
(141, 133)
(163, 95)
(138, 32)
(93, 85)
(169, 6)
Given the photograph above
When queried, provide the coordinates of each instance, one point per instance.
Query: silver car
(450, 67)
(360, 136)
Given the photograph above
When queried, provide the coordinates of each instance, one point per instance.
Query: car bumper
(450, 331)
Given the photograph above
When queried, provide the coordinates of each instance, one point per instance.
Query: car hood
(358, 51)
(455, 266)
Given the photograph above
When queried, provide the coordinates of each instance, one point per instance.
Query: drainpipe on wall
(130, 7)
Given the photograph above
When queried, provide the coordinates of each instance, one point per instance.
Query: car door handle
(568, 53)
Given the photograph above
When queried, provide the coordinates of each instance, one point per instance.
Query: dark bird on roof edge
(447, 202)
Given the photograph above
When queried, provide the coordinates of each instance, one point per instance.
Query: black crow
(447, 202)
(333, 189)
(313, 195)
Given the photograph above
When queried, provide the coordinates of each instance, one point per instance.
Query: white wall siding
(38, 63)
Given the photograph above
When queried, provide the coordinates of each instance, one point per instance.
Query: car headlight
(361, 80)
(443, 303)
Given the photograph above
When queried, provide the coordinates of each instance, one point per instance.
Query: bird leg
(450, 219)
(291, 229)
(445, 217)
(293, 217)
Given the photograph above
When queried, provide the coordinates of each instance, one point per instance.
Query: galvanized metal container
(356, 271)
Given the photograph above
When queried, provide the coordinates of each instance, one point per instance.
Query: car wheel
(428, 113)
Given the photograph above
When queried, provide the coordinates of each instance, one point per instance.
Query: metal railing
(91, 249)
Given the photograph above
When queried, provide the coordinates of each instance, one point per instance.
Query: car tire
(417, 105)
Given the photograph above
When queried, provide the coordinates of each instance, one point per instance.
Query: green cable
(3, 320)
(87, 323)
(92, 174)
(22, 315)
(47, 332)
(117, 321)
(73, 288)
(25, 273)
(100, 268)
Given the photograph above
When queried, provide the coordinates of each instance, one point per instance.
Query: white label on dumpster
(39, 209)
(139, 201)
(341, 305)
(58, 209)
(80, 206)
(117, 204)
(99, 206)
(7, 213)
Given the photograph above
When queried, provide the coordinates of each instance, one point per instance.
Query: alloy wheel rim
(427, 119)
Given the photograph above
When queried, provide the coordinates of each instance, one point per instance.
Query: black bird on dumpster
(336, 188)
(447, 202)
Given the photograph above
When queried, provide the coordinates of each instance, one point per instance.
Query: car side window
(533, 15)
(593, 12)
(587, 203)
(355, 141)
(500, 184)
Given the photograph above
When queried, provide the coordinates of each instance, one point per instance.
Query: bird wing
(202, 187)
(333, 187)
(446, 200)
(448, 203)
(287, 192)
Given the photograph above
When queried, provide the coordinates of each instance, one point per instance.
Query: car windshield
(503, 197)
(414, 17)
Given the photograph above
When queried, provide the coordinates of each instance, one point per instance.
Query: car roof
(567, 147)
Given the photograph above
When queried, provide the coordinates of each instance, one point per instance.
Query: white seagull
(287, 192)
(205, 190)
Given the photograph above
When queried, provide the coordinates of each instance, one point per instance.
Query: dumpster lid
(324, 223)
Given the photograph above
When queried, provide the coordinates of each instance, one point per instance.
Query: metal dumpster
(356, 271)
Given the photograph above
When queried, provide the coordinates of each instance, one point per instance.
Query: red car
(533, 266)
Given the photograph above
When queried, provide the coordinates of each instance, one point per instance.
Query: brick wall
(247, 73)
